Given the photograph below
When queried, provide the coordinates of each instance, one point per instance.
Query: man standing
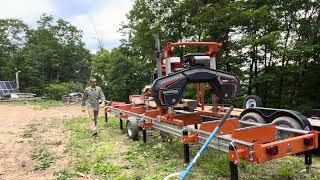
(90, 100)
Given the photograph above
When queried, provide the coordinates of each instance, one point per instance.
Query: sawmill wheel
(253, 117)
(252, 101)
(286, 122)
(132, 128)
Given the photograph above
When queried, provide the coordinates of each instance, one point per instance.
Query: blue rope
(204, 146)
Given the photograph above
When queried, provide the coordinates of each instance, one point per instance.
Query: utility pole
(17, 78)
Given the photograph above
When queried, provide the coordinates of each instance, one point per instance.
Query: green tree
(273, 46)
(118, 75)
(53, 52)
(12, 37)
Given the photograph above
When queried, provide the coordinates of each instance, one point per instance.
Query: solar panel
(8, 87)
(13, 85)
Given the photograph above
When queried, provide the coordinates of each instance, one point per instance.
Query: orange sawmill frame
(265, 146)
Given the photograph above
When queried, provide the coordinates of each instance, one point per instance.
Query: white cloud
(27, 10)
(103, 23)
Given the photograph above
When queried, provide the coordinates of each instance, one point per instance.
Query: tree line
(272, 46)
(49, 54)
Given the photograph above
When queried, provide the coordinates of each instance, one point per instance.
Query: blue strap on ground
(205, 145)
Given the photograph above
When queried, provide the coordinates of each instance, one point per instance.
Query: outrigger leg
(233, 170)
(308, 161)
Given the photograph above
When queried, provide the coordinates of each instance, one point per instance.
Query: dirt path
(15, 150)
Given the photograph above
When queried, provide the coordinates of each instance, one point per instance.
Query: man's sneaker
(94, 134)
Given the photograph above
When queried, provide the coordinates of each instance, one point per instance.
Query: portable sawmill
(255, 135)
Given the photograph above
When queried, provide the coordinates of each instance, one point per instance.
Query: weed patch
(39, 152)
(28, 133)
(43, 158)
(64, 174)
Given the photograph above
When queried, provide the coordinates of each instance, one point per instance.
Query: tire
(253, 117)
(252, 101)
(132, 128)
(286, 122)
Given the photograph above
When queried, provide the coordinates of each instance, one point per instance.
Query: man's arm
(101, 95)
(84, 98)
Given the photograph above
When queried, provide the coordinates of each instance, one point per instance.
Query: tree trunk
(270, 60)
(265, 56)
(256, 69)
(42, 76)
(283, 63)
(250, 78)
(227, 49)
(58, 74)
(298, 84)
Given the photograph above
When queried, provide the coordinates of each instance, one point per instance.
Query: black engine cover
(167, 91)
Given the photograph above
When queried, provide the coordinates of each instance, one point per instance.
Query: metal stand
(308, 161)
(233, 171)
(106, 116)
(121, 124)
(144, 135)
(186, 153)
(233, 165)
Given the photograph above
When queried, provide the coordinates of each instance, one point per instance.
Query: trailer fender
(312, 113)
(253, 117)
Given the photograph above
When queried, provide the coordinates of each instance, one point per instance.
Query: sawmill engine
(196, 60)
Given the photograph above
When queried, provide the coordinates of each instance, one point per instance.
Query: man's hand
(102, 104)
(83, 109)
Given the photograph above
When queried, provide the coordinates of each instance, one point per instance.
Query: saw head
(167, 91)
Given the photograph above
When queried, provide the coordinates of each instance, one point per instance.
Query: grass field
(111, 155)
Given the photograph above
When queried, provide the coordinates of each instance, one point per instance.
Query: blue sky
(98, 19)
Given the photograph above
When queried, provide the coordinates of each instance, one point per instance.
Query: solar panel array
(8, 87)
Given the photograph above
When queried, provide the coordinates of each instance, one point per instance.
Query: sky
(98, 19)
